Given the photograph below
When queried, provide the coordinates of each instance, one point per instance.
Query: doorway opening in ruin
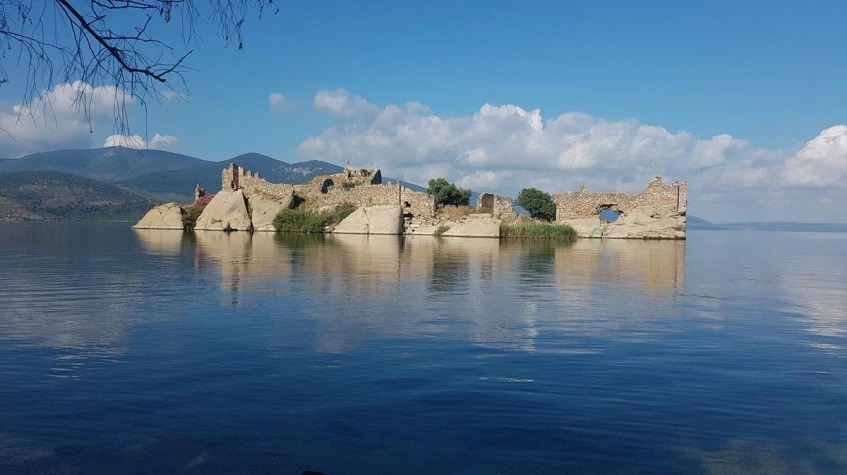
(609, 215)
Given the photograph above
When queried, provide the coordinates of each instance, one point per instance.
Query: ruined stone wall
(419, 204)
(485, 202)
(504, 208)
(236, 178)
(499, 206)
(364, 189)
(659, 196)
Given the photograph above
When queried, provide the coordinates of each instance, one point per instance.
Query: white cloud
(716, 152)
(821, 162)
(277, 101)
(58, 118)
(158, 141)
(341, 103)
(163, 141)
(503, 148)
(129, 141)
(497, 142)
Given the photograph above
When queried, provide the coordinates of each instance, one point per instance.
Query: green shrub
(190, 215)
(539, 204)
(300, 221)
(441, 230)
(526, 228)
(446, 193)
(349, 185)
(340, 212)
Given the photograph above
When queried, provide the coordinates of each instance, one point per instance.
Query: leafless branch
(109, 43)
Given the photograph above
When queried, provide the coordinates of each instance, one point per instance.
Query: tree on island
(539, 204)
(121, 44)
(446, 193)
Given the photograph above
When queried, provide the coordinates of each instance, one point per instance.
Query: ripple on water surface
(155, 351)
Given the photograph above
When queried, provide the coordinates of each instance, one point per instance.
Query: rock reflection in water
(489, 291)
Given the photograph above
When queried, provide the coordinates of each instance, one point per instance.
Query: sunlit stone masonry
(248, 202)
(658, 213)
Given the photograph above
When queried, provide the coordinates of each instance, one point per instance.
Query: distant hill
(57, 195)
(165, 176)
(696, 223)
(693, 222)
(790, 226)
(109, 164)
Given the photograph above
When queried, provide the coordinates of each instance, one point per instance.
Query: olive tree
(539, 204)
(446, 193)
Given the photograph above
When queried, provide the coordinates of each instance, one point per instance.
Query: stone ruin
(501, 207)
(658, 213)
(248, 202)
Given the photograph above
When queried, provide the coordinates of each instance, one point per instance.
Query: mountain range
(121, 184)
(176, 185)
(132, 176)
(108, 164)
(39, 195)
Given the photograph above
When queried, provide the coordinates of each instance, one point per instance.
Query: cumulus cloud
(276, 101)
(136, 141)
(58, 118)
(163, 141)
(64, 117)
(821, 162)
(341, 103)
(497, 143)
(130, 141)
(504, 148)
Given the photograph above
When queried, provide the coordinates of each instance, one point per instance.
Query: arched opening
(609, 215)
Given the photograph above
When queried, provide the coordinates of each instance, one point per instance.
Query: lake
(158, 352)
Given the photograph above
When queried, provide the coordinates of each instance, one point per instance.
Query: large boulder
(166, 216)
(264, 208)
(355, 223)
(226, 212)
(474, 225)
(650, 224)
(380, 219)
(587, 227)
(640, 223)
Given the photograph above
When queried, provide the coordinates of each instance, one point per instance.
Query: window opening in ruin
(609, 215)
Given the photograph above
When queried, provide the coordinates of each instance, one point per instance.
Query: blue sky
(769, 72)
(771, 75)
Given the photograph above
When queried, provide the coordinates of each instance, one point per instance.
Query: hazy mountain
(109, 164)
(166, 176)
(693, 222)
(784, 226)
(58, 195)
(789, 226)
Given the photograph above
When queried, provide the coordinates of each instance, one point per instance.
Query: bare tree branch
(109, 43)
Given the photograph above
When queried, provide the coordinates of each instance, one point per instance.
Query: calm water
(124, 351)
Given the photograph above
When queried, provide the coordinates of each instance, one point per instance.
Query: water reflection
(593, 353)
(499, 294)
(163, 242)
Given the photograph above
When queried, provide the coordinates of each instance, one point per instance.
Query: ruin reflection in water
(487, 290)
(269, 352)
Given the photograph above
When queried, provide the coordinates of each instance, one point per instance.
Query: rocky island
(357, 202)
